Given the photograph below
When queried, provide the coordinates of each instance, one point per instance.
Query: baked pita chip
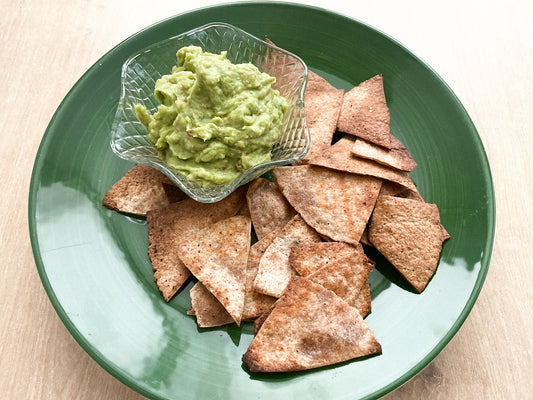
(322, 107)
(208, 310)
(141, 189)
(274, 271)
(309, 327)
(217, 255)
(345, 276)
(335, 203)
(409, 234)
(363, 302)
(166, 228)
(397, 157)
(256, 303)
(269, 210)
(365, 114)
(340, 157)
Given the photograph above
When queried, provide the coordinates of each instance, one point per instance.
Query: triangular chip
(269, 210)
(309, 327)
(365, 114)
(217, 256)
(274, 271)
(256, 303)
(141, 189)
(340, 267)
(398, 157)
(167, 225)
(335, 203)
(322, 107)
(340, 157)
(409, 234)
(208, 310)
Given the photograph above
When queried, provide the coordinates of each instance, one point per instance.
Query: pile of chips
(288, 254)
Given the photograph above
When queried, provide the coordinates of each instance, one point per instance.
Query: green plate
(94, 265)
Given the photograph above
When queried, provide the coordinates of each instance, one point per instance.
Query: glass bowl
(140, 72)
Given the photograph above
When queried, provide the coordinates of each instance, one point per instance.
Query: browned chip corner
(141, 189)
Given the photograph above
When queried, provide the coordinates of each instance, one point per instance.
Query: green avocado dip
(216, 119)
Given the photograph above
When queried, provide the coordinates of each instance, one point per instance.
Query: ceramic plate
(94, 265)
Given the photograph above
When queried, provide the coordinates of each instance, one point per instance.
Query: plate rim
(116, 371)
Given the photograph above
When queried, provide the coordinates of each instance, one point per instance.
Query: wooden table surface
(483, 50)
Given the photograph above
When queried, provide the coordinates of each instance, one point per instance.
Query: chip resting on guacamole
(216, 119)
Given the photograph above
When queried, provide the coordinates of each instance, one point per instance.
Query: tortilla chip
(309, 327)
(322, 107)
(141, 189)
(363, 302)
(274, 271)
(397, 157)
(335, 203)
(409, 234)
(166, 227)
(345, 273)
(269, 210)
(208, 310)
(365, 114)
(340, 157)
(217, 255)
(256, 303)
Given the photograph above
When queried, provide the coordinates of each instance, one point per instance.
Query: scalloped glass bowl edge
(141, 70)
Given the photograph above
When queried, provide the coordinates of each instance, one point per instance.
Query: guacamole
(216, 119)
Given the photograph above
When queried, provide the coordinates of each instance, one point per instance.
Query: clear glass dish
(141, 71)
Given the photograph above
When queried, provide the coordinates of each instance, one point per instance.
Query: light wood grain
(483, 50)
